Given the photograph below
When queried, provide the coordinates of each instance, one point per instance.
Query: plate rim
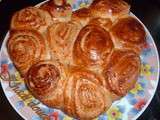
(158, 70)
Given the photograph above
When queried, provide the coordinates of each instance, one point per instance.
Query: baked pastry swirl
(61, 37)
(80, 61)
(127, 32)
(121, 71)
(92, 46)
(31, 18)
(45, 80)
(26, 47)
(85, 96)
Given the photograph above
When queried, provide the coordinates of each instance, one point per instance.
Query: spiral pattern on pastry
(26, 47)
(45, 81)
(60, 10)
(109, 8)
(128, 32)
(85, 96)
(81, 61)
(121, 71)
(61, 37)
(92, 46)
(31, 18)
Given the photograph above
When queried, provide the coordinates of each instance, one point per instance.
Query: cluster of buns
(77, 61)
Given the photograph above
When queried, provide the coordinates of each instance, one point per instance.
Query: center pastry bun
(92, 46)
(61, 37)
(77, 61)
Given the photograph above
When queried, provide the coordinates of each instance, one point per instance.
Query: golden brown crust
(26, 47)
(31, 18)
(77, 62)
(129, 33)
(41, 76)
(83, 15)
(92, 46)
(85, 96)
(45, 80)
(61, 37)
(106, 23)
(60, 10)
(109, 8)
(121, 71)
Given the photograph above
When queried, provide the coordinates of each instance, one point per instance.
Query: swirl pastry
(45, 80)
(121, 71)
(83, 15)
(60, 10)
(109, 8)
(61, 37)
(127, 32)
(81, 61)
(92, 46)
(31, 18)
(84, 96)
(26, 47)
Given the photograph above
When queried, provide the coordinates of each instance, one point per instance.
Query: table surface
(148, 11)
